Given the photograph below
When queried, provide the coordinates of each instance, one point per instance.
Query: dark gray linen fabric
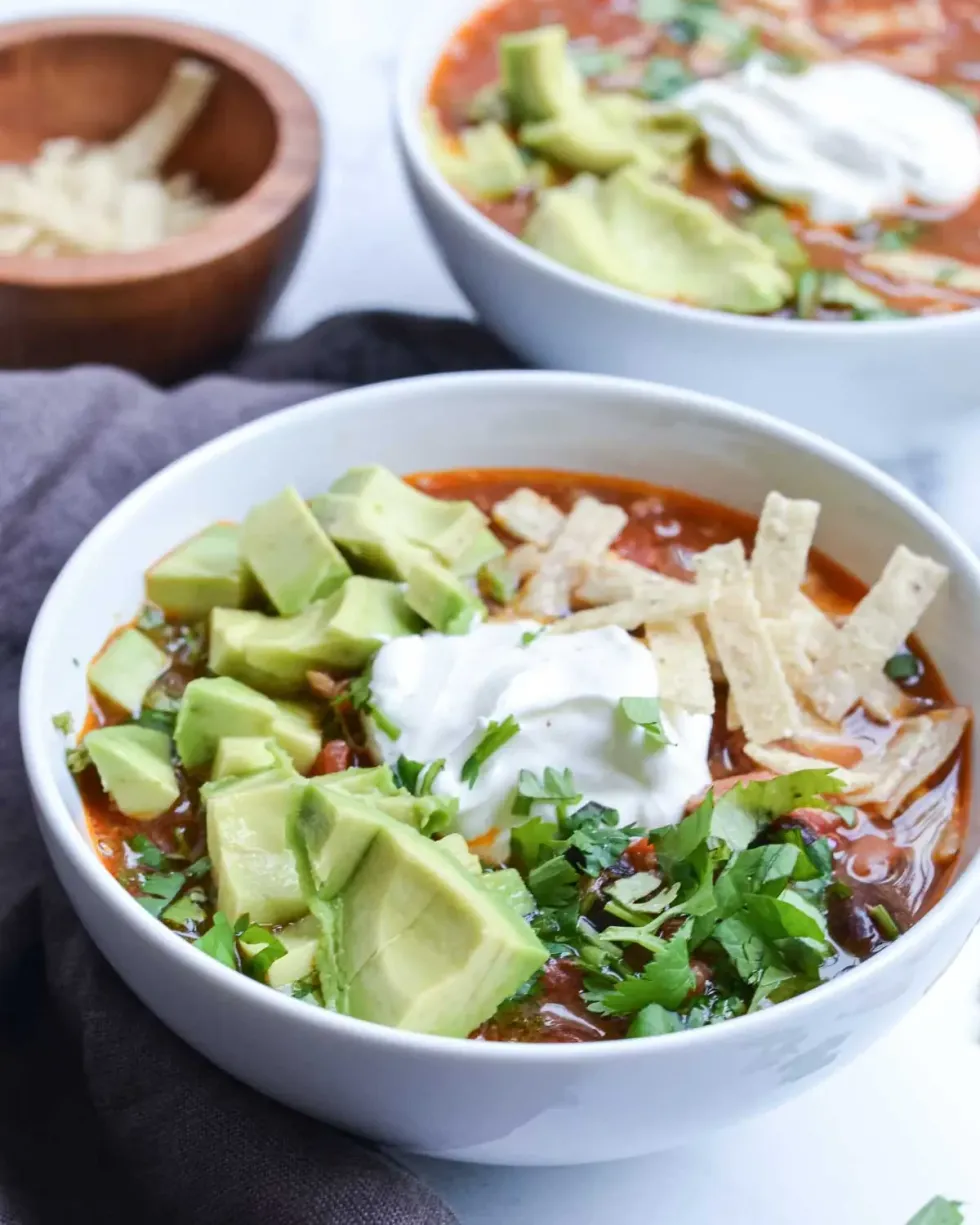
(105, 1116)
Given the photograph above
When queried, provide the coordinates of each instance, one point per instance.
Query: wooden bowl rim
(287, 181)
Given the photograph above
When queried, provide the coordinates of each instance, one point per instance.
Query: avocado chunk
(423, 945)
(485, 548)
(126, 670)
(343, 632)
(581, 139)
(482, 162)
(204, 572)
(290, 554)
(228, 631)
(365, 534)
(442, 599)
(297, 729)
(134, 768)
(212, 708)
(509, 885)
(240, 755)
(455, 845)
(301, 941)
(537, 76)
(650, 237)
(447, 529)
(252, 862)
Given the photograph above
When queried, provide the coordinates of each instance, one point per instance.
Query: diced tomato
(642, 855)
(332, 758)
(823, 821)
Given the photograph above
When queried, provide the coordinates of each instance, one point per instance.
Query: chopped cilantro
(77, 759)
(186, 909)
(306, 989)
(530, 636)
(159, 889)
(553, 883)
(494, 738)
(645, 713)
(147, 853)
(63, 723)
(664, 77)
(903, 667)
(158, 720)
(667, 980)
(199, 867)
(653, 1020)
(219, 941)
(416, 776)
(532, 841)
(358, 693)
(882, 918)
(269, 949)
(598, 61)
(554, 787)
(150, 618)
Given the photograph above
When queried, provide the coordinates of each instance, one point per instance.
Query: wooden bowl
(171, 310)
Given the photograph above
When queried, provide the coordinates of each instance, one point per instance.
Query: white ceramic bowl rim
(418, 60)
(35, 728)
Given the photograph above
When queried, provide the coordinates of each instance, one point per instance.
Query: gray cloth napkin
(105, 1115)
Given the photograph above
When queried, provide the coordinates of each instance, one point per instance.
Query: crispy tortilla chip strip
(779, 555)
(785, 761)
(815, 627)
(529, 516)
(682, 665)
(920, 747)
(612, 579)
(701, 622)
(631, 614)
(584, 536)
(885, 702)
(788, 639)
(733, 720)
(763, 697)
(873, 633)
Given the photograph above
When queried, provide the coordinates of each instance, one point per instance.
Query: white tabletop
(900, 1124)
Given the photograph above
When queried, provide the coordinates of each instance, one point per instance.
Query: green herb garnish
(645, 713)
(270, 948)
(158, 720)
(78, 759)
(358, 693)
(667, 980)
(530, 636)
(159, 889)
(939, 1211)
(63, 723)
(150, 618)
(598, 61)
(881, 916)
(148, 854)
(494, 738)
(903, 667)
(664, 77)
(219, 941)
(187, 909)
(554, 787)
(416, 776)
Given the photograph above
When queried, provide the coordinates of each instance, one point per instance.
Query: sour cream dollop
(846, 139)
(443, 692)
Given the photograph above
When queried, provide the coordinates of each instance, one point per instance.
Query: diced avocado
(482, 162)
(126, 669)
(359, 780)
(423, 946)
(537, 76)
(253, 863)
(214, 707)
(290, 554)
(836, 289)
(239, 755)
(204, 572)
(447, 529)
(430, 814)
(300, 940)
(456, 846)
(650, 237)
(342, 632)
(228, 631)
(771, 224)
(297, 729)
(581, 139)
(509, 885)
(365, 533)
(442, 599)
(484, 549)
(134, 767)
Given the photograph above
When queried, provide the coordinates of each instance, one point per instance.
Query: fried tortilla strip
(669, 606)
(920, 747)
(789, 643)
(748, 658)
(529, 516)
(613, 579)
(682, 665)
(785, 761)
(885, 702)
(854, 659)
(782, 546)
(585, 534)
(733, 720)
(815, 627)
(701, 622)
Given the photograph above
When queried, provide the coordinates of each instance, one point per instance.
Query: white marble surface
(899, 1125)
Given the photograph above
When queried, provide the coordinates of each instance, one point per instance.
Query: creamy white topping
(564, 690)
(847, 139)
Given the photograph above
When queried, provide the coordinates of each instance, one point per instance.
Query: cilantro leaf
(159, 889)
(939, 1211)
(786, 916)
(148, 853)
(882, 918)
(749, 953)
(597, 61)
(494, 738)
(358, 693)
(764, 869)
(416, 776)
(667, 979)
(219, 941)
(553, 883)
(186, 909)
(663, 77)
(555, 787)
(645, 713)
(742, 810)
(530, 636)
(269, 948)
(78, 759)
(63, 723)
(199, 867)
(534, 840)
(158, 720)
(653, 1020)
(677, 843)
(594, 832)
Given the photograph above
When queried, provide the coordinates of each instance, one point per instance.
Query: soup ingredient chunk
(204, 572)
(563, 692)
(127, 668)
(134, 768)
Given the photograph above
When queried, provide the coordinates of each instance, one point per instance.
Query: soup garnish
(525, 756)
(817, 164)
